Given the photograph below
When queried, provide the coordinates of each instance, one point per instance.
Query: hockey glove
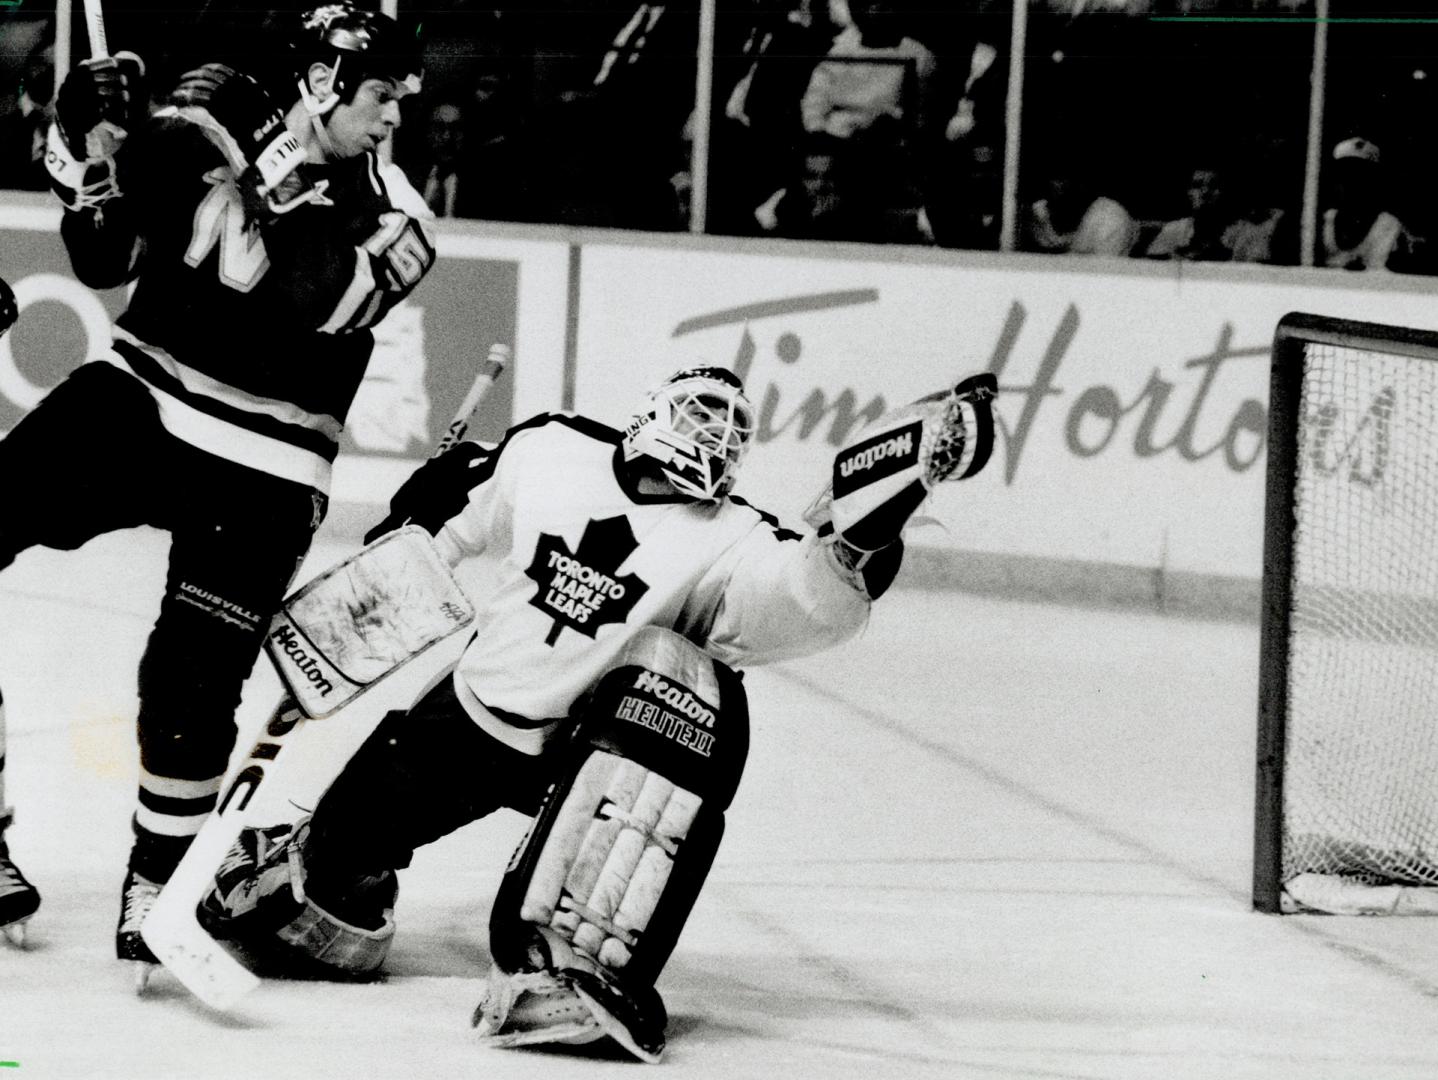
(100, 103)
(436, 491)
(881, 478)
(239, 118)
(9, 309)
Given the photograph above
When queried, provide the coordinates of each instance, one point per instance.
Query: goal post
(1346, 810)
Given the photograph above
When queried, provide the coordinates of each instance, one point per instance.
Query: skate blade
(15, 933)
(141, 972)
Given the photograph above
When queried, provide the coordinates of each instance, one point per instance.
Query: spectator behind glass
(846, 96)
(1359, 233)
(757, 142)
(1263, 229)
(863, 105)
(1207, 231)
(1068, 217)
(444, 137)
(630, 126)
(23, 127)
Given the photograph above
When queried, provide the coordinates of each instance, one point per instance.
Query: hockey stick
(95, 27)
(489, 371)
(105, 140)
(171, 928)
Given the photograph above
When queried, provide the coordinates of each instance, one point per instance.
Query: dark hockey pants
(92, 458)
(422, 773)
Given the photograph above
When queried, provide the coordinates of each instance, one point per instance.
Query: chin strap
(318, 109)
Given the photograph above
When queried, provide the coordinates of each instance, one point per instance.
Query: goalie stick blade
(172, 929)
(174, 933)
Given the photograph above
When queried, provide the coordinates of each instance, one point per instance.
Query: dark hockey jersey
(584, 560)
(252, 342)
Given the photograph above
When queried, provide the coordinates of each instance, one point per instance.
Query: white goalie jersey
(585, 560)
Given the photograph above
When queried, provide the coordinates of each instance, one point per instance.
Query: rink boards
(1131, 416)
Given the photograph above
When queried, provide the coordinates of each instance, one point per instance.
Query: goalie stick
(171, 929)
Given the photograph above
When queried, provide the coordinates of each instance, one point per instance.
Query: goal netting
(1347, 816)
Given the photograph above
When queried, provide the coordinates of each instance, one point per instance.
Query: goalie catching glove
(882, 477)
(239, 118)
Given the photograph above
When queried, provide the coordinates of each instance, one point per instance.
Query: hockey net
(1347, 810)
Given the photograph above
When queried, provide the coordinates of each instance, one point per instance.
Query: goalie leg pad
(259, 902)
(336, 946)
(599, 890)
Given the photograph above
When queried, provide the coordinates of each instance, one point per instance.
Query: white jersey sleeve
(486, 514)
(773, 596)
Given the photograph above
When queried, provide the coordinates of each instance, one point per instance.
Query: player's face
(368, 118)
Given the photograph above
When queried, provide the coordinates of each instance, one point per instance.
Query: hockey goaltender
(598, 693)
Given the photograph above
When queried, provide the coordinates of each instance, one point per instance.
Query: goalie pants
(422, 773)
(92, 458)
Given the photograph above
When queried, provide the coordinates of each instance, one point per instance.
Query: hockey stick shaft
(95, 28)
(489, 372)
(171, 929)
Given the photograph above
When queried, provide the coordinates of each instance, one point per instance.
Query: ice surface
(989, 839)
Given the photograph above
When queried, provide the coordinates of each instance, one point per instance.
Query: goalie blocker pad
(364, 618)
(598, 892)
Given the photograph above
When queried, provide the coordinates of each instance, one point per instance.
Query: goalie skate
(569, 997)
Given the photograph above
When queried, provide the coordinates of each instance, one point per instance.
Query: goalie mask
(355, 45)
(697, 424)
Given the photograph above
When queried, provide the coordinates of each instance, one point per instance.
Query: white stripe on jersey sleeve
(360, 287)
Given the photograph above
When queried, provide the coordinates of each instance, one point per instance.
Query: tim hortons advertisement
(427, 350)
(1132, 408)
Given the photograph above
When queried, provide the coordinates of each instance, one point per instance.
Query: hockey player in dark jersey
(263, 239)
(18, 898)
(597, 692)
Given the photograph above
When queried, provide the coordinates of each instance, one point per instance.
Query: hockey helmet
(355, 45)
(697, 424)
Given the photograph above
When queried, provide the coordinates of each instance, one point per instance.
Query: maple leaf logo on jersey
(579, 589)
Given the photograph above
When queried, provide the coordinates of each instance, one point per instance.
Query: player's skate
(137, 896)
(18, 898)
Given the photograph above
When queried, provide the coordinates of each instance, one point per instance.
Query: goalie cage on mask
(593, 901)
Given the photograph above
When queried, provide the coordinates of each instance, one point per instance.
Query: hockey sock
(4, 806)
(168, 815)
